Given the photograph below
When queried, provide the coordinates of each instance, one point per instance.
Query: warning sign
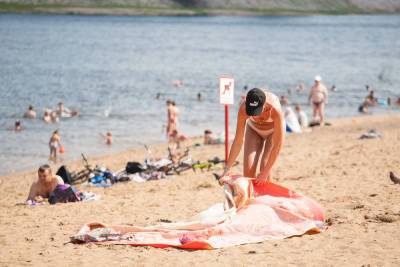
(226, 89)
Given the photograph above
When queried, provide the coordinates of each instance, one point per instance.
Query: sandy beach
(349, 177)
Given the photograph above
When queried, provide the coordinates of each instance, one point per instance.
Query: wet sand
(348, 176)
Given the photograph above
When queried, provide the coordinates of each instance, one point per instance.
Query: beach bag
(64, 193)
(64, 174)
(134, 167)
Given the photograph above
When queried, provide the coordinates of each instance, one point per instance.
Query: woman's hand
(224, 179)
(263, 178)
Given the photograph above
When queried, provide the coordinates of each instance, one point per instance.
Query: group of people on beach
(261, 128)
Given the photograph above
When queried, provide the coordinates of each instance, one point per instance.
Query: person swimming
(17, 126)
(108, 137)
(30, 113)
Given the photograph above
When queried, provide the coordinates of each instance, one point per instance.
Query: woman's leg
(253, 145)
(266, 154)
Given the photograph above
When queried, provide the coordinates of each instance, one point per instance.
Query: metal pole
(226, 133)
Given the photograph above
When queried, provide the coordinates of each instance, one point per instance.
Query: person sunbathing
(45, 184)
(210, 139)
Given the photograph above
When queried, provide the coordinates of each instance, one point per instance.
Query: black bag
(134, 167)
(64, 174)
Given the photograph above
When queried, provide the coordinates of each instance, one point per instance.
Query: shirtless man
(45, 184)
(319, 97)
(30, 114)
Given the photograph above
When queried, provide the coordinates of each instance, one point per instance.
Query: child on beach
(54, 144)
(108, 138)
(301, 116)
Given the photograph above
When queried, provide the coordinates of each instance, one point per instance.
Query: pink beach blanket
(274, 212)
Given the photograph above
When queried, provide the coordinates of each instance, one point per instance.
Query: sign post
(226, 97)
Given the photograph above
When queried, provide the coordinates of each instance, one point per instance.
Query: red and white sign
(226, 90)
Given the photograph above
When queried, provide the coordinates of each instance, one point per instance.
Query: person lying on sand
(260, 128)
(210, 139)
(45, 184)
(54, 144)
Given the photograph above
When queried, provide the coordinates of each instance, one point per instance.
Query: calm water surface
(111, 68)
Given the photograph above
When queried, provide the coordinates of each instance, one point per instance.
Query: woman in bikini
(260, 125)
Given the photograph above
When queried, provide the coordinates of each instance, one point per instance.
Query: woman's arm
(277, 141)
(238, 141)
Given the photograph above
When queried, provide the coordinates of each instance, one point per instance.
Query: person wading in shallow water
(260, 126)
(54, 144)
(319, 98)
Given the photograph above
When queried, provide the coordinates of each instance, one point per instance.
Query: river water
(111, 68)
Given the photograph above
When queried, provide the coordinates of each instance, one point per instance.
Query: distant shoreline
(121, 10)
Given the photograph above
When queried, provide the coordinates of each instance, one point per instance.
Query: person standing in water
(30, 113)
(260, 127)
(18, 126)
(172, 120)
(319, 98)
(54, 144)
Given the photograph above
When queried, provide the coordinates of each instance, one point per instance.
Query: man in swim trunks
(260, 124)
(319, 98)
(45, 184)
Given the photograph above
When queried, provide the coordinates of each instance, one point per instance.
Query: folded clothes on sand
(371, 134)
(270, 212)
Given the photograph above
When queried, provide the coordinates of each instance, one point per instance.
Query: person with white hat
(319, 98)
